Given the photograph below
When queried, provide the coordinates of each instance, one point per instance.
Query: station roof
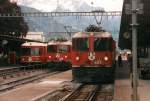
(143, 27)
(17, 39)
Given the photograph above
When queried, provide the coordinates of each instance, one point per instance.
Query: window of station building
(80, 44)
(63, 49)
(102, 44)
(51, 48)
(35, 51)
(143, 52)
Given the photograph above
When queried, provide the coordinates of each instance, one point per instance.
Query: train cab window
(80, 44)
(101, 44)
(35, 51)
(51, 48)
(63, 49)
(25, 51)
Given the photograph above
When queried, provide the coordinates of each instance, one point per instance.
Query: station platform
(35, 89)
(123, 88)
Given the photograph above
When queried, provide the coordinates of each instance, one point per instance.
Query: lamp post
(134, 10)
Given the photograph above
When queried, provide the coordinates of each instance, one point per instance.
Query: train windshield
(26, 51)
(63, 49)
(80, 44)
(30, 51)
(51, 48)
(101, 44)
(35, 51)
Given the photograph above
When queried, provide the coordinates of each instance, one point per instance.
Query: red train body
(93, 57)
(59, 54)
(91, 54)
(33, 53)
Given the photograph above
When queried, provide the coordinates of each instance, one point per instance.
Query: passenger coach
(33, 53)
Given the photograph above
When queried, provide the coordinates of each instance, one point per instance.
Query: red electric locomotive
(33, 53)
(51, 52)
(59, 54)
(93, 57)
(64, 49)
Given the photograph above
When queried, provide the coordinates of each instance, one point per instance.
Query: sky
(49, 5)
(108, 5)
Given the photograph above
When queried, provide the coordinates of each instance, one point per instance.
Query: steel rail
(69, 97)
(11, 70)
(15, 83)
(77, 92)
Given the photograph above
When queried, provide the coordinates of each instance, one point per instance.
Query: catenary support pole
(134, 48)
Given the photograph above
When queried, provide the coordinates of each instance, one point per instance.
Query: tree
(13, 26)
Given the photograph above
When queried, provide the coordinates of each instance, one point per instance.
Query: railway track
(87, 92)
(13, 71)
(15, 83)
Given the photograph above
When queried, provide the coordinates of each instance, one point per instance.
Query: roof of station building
(143, 20)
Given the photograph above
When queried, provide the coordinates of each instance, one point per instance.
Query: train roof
(33, 44)
(66, 43)
(60, 43)
(80, 34)
(53, 43)
(96, 34)
(103, 34)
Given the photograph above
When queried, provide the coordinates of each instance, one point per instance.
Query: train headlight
(77, 58)
(23, 59)
(65, 56)
(49, 57)
(106, 58)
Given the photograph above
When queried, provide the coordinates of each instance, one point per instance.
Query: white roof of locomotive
(103, 34)
(53, 43)
(66, 43)
(60, 43)
(33, 44)
(80, 34)
(96, 34)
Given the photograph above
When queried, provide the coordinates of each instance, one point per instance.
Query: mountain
(77, 23)
(48, 25)
(109, 23)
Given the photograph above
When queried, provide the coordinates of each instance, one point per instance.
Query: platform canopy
(143, 36)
